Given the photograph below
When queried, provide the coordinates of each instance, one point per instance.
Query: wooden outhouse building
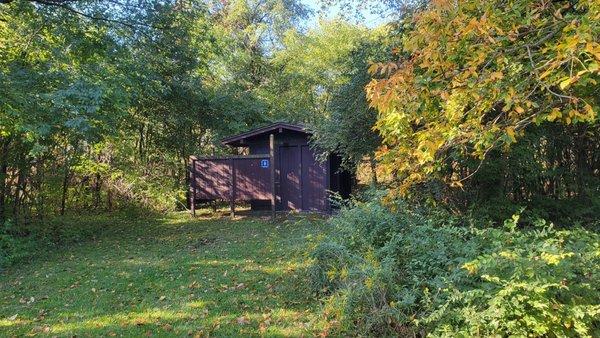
(279, 172)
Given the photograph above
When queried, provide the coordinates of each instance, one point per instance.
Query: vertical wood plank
(232, 198)
(272, 167)
(301, 181)
(193, 197)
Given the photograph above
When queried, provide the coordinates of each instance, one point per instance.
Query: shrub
(539, 282)
(12, 246)
(400, 273)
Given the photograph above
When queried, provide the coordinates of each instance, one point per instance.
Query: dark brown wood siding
(252, 181)
(214, 179)
(314, 182)
(290, 188)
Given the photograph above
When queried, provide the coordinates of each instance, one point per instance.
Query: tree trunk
(40, 201)
(19, 192)
(109, 199)
(65, 186)
(97, 191)
(3, 176)
(109, 183)
(141, 144)
(373, 166)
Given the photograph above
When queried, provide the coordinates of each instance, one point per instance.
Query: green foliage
(12, 246)
(472, 76)
(401, 273)
(103, 102)
(549, 172)
(537, 282)
(322, 79)
(242, 76)
(311, 67)
(348, 116)
(384, 9)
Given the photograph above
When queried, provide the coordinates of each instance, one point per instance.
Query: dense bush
(12, 246)
(400, 273)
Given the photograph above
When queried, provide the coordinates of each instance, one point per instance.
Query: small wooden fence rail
(233, 178)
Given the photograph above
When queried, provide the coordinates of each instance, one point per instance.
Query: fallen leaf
(264, 326)
(243, 320)
(12, 318)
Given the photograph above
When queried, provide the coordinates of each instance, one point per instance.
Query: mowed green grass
(170, 276)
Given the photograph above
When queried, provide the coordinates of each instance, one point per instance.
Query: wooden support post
(232, 198)
(328, 170)
(272, 168)
(193, 197)
(301, 180)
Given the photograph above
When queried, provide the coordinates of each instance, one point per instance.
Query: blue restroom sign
(264, 163)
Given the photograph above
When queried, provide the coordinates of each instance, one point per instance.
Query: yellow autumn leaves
(473, 75)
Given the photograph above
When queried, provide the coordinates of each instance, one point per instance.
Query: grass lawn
(169, 276)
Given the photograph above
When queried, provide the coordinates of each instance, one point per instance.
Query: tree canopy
(472, 76)
(103, 101)
(102, 98)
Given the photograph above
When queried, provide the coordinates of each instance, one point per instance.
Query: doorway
(303, 180)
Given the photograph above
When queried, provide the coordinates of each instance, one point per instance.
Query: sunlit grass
(168, 277)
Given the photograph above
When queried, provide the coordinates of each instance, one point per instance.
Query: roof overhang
(277, 127)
